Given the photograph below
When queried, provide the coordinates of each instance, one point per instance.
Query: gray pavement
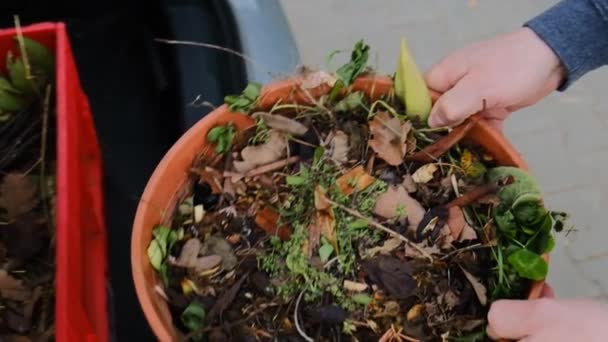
(562, 138)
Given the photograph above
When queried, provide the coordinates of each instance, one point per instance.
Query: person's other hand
(548, 319)
(497, 77)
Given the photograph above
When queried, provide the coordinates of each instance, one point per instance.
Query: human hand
(495, 77)
(548, 319)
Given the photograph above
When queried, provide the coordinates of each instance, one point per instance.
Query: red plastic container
(81, 264)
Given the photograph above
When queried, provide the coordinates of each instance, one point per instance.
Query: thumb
(458, 103)
(516, 319)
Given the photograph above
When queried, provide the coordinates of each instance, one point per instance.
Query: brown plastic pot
(169, 182)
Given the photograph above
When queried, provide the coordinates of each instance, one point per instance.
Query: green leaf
(221, 146)
(295, 180)
(10, 102)
(528, 265)
(5, 85)
(163, 272)
(16, 71)
(155, 255)
(319, 152)
(335, 91)
(350, 102)
(252, 91)
(161, 236)
(411, 88)
(505, 222)
(523, 184)
(362, 298)
(39, 56)
(222, 136)
(358, 61)
(246, 100)
(542, 241)
(193, 316)
(215, 133)
(357, 224)
(528, 210)
(325, 252)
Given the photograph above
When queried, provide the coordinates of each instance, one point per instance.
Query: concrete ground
(562, 138)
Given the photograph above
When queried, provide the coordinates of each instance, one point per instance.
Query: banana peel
(410, 87)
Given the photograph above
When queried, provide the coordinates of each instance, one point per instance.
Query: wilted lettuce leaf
(523, 184)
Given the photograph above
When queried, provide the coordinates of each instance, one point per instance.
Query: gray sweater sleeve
(577, 31)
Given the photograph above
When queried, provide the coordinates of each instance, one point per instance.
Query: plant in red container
(42, 109)
(322, 208)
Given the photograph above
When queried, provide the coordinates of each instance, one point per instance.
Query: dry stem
(382, 228)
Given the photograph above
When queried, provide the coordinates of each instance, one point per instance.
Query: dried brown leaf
(425, 173)
(321, 202)
(313, 80)
(206, 263)
(445, 239)
(478, 287)
(272, 150)
(189, 253)
(13, 289)
(354, 286)
(387, 247)
(324, 219)
(409, 184)
(415, 312)
(456, 221)
(415, 254)
(357, 176)
(268, 219)
(389, 137)
(215, 245)
(448, 298)
(17, 195)
(339, 147)
(468, 233)
(282, 123)
(391, 274)
(224, 301)
(388, 204)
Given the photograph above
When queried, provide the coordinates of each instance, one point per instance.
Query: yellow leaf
(411, 88)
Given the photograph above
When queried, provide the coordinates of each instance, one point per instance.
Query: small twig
(382, 228)
(24, 56)
(212, 46)
(296, 319)
(442, 145)
(43, 182)
(241, 321)
(302, 142)
(473, 195)
(466, 249)
(272, 166)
